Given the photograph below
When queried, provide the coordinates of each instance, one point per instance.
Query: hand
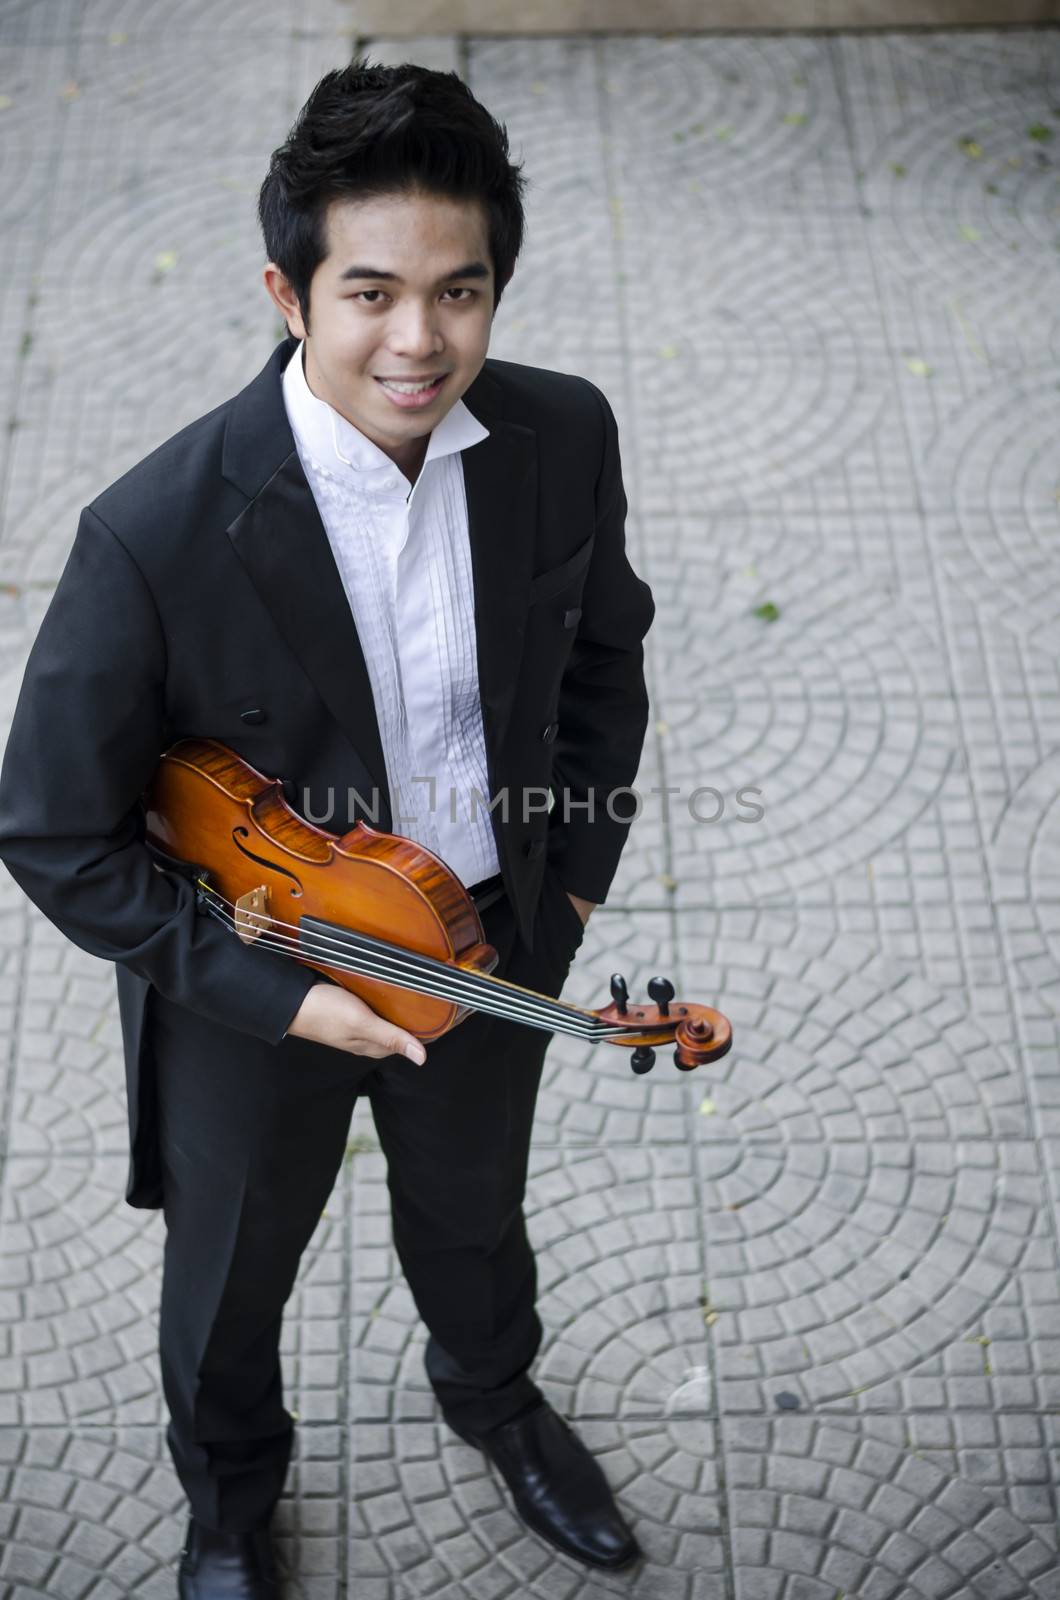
(332, 1015)
(584, 908)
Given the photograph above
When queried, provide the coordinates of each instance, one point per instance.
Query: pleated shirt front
(404, 556)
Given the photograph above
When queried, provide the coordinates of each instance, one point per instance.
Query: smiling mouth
(412, 385)
(407, 394)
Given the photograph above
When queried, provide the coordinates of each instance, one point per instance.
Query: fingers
(373, 1035)
(333, 1016)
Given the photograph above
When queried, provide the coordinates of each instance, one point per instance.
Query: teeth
(408, 388)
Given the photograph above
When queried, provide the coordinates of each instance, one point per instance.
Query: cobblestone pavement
(805, 1305)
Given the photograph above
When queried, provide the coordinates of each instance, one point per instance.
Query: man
(388, 559)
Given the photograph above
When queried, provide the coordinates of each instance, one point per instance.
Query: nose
(414, 331)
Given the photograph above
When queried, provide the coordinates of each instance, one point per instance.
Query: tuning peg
(642, 1059)
(662, 992)
(619, 992)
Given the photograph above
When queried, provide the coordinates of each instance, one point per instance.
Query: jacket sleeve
(88, 730)
(603, 700)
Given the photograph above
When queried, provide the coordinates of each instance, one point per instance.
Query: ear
(284, 298)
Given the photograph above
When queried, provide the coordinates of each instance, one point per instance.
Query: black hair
(368, 131)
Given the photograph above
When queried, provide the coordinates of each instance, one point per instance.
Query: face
(405, 292)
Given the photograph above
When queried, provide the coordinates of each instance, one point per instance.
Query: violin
(375, 912)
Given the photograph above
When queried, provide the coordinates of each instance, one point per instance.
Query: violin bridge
(252, 914)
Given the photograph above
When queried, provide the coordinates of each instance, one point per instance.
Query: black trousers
(252, 1137)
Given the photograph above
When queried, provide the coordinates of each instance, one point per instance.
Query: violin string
(544, 1014)
(447, 982)
(366, 968)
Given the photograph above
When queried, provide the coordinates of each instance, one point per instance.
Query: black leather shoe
(227, 1566)
(559, 1489)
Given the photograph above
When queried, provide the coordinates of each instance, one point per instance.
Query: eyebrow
(470, 269)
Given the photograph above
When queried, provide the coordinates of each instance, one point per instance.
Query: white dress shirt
(404, 556)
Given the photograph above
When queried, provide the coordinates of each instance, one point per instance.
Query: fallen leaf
(918, 367)
(667, 882)
(117, 38)
(795, 119)
(668, 351)
(750, 572)
(707, 1108)
(971, 234)
(165, 261)
(970, 148)
(723, 134)
(1040, 131)
(768, 612)
(662, 729)
(69, 91)
(898, 169)
(710, 1318)
(5, 101)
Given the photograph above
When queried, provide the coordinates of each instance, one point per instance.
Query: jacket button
(549, 733)
(254, 715)
(570, 617)
(533, 848)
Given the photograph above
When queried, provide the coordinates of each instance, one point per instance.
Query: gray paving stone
(776, 444)
(589, 1095)
(826, 1506)
(79, 1287)
(952, 1266)
(68, 1089)
(752, 126)
(620, 1287)
(100, 1511)
(840, 1044)
(450, 1531)
(441, 51)
(546, 93)
(145, 172)
(279, 20)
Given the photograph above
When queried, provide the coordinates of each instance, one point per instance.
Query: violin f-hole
(238, 835)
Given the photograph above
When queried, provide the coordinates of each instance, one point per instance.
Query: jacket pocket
(574, 927)
(556, 578)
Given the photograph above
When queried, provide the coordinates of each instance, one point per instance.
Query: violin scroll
(699, 1033)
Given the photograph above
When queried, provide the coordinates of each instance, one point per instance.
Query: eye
(367, 291)
(458, 290)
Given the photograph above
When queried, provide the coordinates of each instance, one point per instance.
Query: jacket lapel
(281, 541)
(500, 484)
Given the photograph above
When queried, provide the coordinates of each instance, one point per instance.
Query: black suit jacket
(201, 584)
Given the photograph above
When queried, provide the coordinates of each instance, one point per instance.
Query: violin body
(208, 809)
(375, 912)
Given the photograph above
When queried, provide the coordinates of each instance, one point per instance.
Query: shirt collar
(335, 442)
